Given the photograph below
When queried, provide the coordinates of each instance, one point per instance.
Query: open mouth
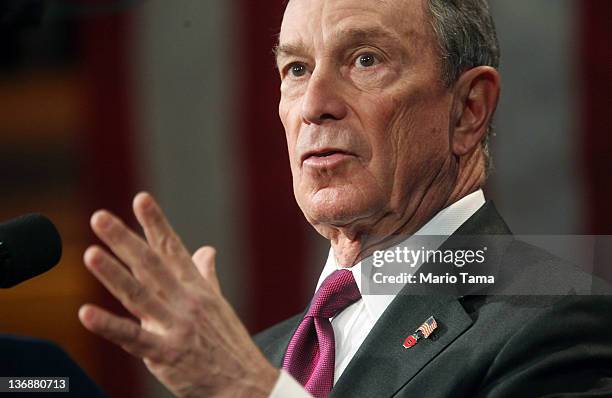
(326, 157)
(325, 154)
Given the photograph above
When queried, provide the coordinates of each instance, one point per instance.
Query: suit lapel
(382, 365)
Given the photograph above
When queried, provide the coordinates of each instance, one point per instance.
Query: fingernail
(143, 201)
(91, 257)
(147, 203)
(103, 220)
(84, 314)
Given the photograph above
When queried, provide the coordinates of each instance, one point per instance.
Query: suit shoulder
(565, 348)
(535, 271)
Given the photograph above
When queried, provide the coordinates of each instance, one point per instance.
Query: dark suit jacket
(485, 345)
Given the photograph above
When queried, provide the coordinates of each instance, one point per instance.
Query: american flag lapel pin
(423, 332)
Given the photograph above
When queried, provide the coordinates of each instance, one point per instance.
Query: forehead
(316, 22)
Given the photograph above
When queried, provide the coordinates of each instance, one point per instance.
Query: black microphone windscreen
(29, 246)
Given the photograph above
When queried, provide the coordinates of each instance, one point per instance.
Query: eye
(366, 60)
(296, 69)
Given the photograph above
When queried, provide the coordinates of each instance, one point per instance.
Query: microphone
(29, 246)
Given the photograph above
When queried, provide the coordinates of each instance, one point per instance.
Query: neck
(353, 243)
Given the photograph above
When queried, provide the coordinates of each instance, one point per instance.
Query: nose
(323, 99)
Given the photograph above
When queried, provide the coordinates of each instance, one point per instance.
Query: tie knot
(337, 292)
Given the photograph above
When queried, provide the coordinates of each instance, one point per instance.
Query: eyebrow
(348, 37)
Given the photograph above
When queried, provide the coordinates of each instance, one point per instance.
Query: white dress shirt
(352, 325)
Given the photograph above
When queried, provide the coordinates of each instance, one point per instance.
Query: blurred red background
(101, 99)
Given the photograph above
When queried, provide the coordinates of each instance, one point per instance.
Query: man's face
(365, 112)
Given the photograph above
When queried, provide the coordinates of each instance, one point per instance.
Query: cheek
(291, 124)
(380, 122)
(420, 138)
(407, 134)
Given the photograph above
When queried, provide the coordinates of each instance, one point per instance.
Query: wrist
(258, 384)
(263, 381)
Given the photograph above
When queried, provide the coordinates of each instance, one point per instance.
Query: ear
(477, 93)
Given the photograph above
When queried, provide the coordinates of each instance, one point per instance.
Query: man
(386, 107)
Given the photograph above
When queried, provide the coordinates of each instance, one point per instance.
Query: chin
(337, 206)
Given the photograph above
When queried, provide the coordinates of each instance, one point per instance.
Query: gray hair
(466, 36)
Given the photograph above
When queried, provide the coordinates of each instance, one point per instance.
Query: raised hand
(188, 336)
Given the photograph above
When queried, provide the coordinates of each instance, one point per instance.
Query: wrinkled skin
(189, 336)
(363, 77)
(361, 87)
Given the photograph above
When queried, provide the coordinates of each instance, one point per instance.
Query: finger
(160, 234)
(121, 331)
(120, 283)
(134, 252)
(204, 260)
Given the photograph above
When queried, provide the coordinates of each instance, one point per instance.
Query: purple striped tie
(311, 352)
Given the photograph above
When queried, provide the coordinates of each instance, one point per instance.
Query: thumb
(204, 260)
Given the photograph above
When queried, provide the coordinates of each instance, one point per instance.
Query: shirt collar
(445, 222)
